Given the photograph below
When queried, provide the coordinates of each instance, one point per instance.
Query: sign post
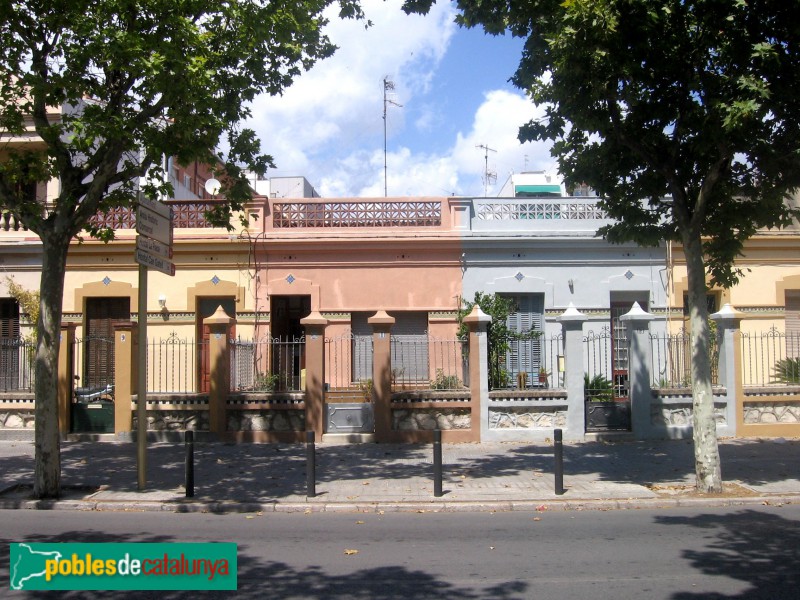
(153, 250)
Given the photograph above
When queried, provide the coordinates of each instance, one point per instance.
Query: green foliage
(597, 389)
(267, 382)
(498, 334)
(787, 370)
(366, 385)
(445, 382)
(28, 301)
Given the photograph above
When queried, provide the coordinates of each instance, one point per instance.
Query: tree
(683, 115)
(104, 91)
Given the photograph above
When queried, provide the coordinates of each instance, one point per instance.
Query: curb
(538, 506)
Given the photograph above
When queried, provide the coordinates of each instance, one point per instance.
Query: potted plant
(544, 374)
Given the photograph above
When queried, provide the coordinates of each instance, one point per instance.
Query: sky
(452, 85)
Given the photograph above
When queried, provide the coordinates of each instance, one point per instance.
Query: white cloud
(328, 126)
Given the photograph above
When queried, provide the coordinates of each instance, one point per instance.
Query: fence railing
(770, 358)
(427, 362)
(17, 365)
(526, 362)
(268, 364)
(672, 360)
(173, 364)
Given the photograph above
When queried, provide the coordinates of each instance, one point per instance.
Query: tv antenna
(388, 86)
(487, 174)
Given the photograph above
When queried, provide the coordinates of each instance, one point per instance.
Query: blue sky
(455, 95)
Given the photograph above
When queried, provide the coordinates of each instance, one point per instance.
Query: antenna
(488, 175)
(388, 86)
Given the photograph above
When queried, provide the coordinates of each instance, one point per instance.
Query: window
(525, 356)
(10, 345)
(792, 322)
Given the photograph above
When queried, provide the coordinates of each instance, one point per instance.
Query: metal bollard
(311, 466)
(189, 439)
(437, 463)
(559, 460)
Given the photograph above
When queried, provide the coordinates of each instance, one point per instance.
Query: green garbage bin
(93, 417)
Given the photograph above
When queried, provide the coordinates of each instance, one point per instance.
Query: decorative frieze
(266, 420)
(174, 420)
(527, 417)
(680, 415)
(17, 419)
(771, 412)
(430, 419)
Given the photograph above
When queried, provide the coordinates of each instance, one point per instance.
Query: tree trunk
(706, 452)
(47, 477)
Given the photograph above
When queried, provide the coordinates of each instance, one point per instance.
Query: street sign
(154, 225)
(153, 247)
(157, 207)
(154, 262)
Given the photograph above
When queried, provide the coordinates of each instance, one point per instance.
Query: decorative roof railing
(356, 214)
(516, 210)
(187, 214)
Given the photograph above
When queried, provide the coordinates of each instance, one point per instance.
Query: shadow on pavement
(746, 548)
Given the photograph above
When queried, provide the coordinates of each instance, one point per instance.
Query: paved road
(678, 554)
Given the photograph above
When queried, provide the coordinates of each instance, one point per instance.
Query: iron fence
(174, 363)
(93, 361)
(427, 362)
(672, 359)
(268, 364)
(605, 376)
(348, 361)
(526, 362)
(17, 360)
(770, 358)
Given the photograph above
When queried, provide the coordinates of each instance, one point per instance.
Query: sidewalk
(375, 477)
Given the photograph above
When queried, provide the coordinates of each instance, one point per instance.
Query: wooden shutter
(792, 325)
(10, 345)
(98, 358)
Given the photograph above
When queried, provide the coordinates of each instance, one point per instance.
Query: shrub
(445, 382)
(787, 370)
(597, 388)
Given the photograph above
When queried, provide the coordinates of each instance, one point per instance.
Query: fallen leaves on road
(541, 508)
(350, 551)
(359, 522)
(537, 518)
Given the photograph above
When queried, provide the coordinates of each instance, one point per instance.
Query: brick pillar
(315, 325)
(382, 374)
(572, 321)
(477, 322)
(640, 358)
(729, 334)
(66, 376)
(219, 325)
(125, 374)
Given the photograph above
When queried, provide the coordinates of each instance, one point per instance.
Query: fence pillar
(640, 357)
(382, 373)
(477, 321)
(729, 367)
(572, 321)
(219, 326)
(66, 376)
(125, 374)
(315, 325)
